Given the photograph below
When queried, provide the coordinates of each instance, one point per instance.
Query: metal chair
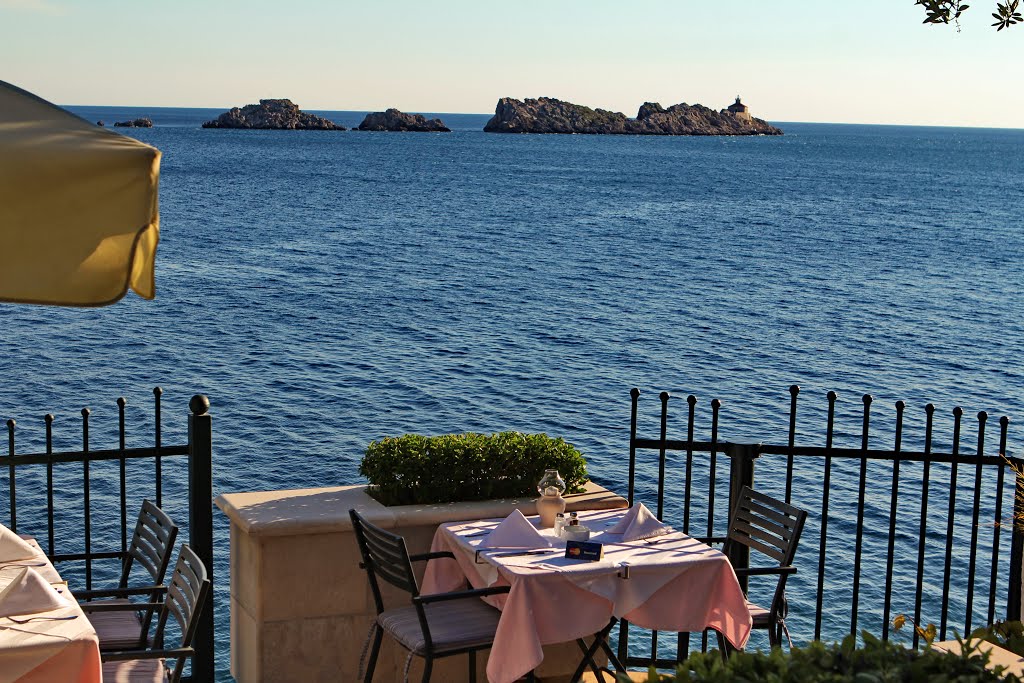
(151, 546)
(184, 598)
(772, 528)
(431, 626)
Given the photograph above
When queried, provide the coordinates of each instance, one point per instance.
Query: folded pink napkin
(13, 547)
(515, 531)
(29, 593)
(639, 523)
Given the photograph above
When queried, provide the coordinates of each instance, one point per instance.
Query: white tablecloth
(44, 651)
(675, 584)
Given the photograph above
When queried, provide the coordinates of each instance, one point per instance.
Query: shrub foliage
(876, 661)
(413, 469)
(1008, 635)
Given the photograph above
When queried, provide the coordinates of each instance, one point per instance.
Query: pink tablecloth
(675, 584)
(47, 651)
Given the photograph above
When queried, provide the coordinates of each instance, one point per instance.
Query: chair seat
(135, 671)
(760, 617)
(454, 625)
(116, 630)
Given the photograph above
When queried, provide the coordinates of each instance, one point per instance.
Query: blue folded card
(588, 551)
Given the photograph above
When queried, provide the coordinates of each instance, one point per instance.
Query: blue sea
(326, 289)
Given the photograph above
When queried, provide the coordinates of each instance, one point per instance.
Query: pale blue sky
(864, 61)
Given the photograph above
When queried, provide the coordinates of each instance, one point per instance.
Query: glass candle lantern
(550, 487)
(551, 479)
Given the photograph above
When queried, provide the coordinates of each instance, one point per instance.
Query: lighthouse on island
(740, 110)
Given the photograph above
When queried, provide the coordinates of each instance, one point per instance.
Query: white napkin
(30, 593)
(13, 547)
(639, 523)
(515, 531)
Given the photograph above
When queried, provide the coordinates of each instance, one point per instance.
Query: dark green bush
(413, 468)
(1008, 635)
(876, 661)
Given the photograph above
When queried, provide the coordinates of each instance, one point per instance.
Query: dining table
(58, 645)
(667, 582)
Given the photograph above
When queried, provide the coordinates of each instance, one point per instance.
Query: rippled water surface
(326, 289)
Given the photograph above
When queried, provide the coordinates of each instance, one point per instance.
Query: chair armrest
(461, 595)
(420, 557)
(762, 571)
(118, 592)
(708, 540)
(122, 655)
(124, 607)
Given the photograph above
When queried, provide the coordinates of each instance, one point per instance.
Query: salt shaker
(559, 524)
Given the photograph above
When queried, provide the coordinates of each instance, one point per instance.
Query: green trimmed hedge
(414, 469)
(876, 661)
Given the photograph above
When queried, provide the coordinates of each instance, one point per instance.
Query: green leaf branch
(950, 11)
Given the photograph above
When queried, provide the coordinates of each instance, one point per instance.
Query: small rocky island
(396, 121)
(134, 123)
(548, 115)
(272, 115)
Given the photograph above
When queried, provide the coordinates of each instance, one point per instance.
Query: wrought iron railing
(199, 496)
(898, 502)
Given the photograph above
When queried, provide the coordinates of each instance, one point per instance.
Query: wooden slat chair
(770, 527)
(184, 598)
(431, 626)
(151, 547)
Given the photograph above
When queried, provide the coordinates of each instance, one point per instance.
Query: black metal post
(86, 499)
(794, 391)
(664, 396)
(861, 492)
(1013, 592)
(634, 395)
(200, 517)
(741, 473)
(11, 476)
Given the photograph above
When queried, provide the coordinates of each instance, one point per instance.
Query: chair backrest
(186, 594)
(385, 555)
(770, 527)
(767, 525)
(152, 542)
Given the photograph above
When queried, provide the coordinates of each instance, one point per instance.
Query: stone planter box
(997, 656)
(301, 606)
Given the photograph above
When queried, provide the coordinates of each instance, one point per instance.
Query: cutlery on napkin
(639, 523)
(30, 593)
(515, 531)
(13, 547)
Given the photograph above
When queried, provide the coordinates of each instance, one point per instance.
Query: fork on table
(28, 619)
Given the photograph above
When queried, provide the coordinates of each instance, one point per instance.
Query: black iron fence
(78, 525)
(893, 530)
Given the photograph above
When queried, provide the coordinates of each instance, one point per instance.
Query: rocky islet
(134, 123)
(549, 115)
(393, 120)
(272, 115)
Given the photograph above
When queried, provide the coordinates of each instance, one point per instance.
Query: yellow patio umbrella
(79, 221)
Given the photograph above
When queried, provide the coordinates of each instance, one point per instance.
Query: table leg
(600, 641)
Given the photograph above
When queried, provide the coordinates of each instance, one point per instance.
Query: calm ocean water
(326, 289)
